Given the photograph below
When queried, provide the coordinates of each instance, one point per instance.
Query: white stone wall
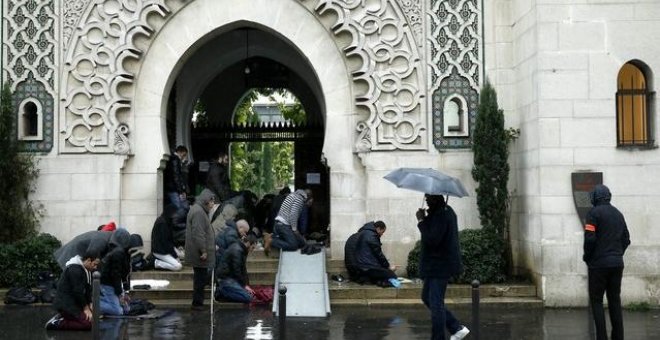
(566, 56)
(554, 64)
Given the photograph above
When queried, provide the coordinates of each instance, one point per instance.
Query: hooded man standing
(606, 238)
(200, 245)
(440, 259)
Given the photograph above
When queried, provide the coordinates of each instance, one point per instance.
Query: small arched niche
(455, 117)
(30, 120)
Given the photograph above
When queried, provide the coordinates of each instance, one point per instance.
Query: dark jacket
(606, 235)
(74, 289)
(92, 241)
(162, 237)
(274, 209)
(350, 255)
(116, 264)
(227, 236)
(218, 181)
(440, 254)
(233, 264)
(174, 178)
(368, 251)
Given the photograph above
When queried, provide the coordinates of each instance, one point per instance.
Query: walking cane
(212, 291)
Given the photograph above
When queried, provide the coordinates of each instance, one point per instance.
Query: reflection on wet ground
(346, 322)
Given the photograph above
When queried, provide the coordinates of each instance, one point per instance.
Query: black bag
(20, 296)
(140, 307)
(139, 262)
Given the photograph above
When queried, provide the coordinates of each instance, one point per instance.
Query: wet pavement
(346, 322)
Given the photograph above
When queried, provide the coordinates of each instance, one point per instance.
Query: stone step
(353, 291)
(264, 276)
(504, 302)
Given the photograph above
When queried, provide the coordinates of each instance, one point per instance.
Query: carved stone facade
(413, 11)
(72, 11)
(30, 61)
(455, 62)
(389, 79)
(96, 112)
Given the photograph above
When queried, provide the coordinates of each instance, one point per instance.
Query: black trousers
(200, 278)
(606, 281)
(378, 276)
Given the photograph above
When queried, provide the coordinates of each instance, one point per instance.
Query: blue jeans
(109, 301)
(284, 238)
(433, 296)
(230, 290)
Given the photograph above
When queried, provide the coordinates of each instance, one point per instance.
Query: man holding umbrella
(440, 259)
(440, 256)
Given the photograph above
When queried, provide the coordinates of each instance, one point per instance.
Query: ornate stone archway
(121, 58)
(106, 42)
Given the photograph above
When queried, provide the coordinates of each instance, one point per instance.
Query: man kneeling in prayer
(73, 301)
(234, 283)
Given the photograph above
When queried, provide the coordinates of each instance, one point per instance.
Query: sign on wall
(583, 183)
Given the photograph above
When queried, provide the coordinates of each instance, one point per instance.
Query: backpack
(20, 296)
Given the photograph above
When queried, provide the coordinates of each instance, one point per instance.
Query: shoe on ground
(462, 333)
(54, 322)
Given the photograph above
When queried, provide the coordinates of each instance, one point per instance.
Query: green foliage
(19, 172)
(483, 256)
(21, 262)
(638, 307)
(262, 167)
(481, 253)
(491, 167)
(412, 267)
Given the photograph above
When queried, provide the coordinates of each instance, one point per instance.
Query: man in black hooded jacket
(606, 238)
(364, 256)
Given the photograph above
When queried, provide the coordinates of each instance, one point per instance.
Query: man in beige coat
(200, 245)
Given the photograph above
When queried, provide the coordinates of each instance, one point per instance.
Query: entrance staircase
(263, 271)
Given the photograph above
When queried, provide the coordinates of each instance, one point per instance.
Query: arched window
(30, 124)
(634, 106)
(31, 119)
(455, 117)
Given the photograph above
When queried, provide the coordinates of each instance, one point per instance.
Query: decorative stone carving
(72, 11)
(96, 113)
(30, 59)
(413, 11)
(388, 81)
(455, 62)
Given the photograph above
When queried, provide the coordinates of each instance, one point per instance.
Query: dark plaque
(583, 183)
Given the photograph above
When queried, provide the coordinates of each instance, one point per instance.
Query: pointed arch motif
(388, 81)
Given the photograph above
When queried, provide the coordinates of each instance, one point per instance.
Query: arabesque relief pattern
(388, 83)
(413, 11)
(95, 111)
(72, 11)
(31, 54)
(455, 61)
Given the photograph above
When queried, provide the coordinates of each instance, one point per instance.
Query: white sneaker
(462, 333)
